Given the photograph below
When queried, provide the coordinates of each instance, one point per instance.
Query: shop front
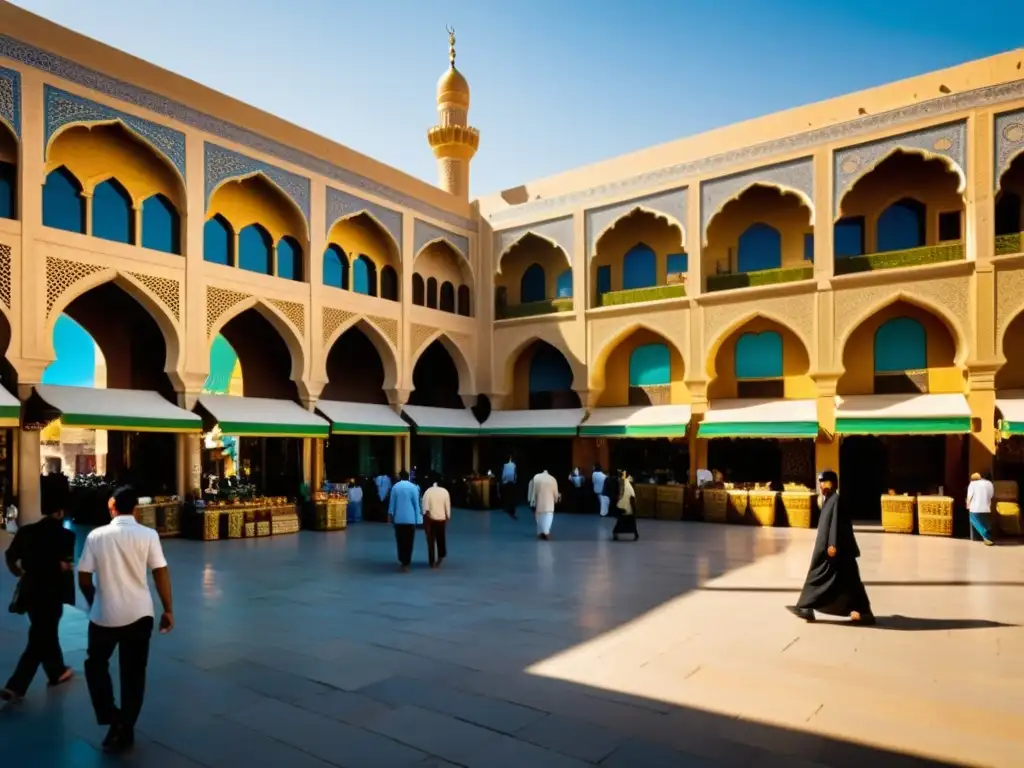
(10, 419)
(444, 448)
(1009, 464)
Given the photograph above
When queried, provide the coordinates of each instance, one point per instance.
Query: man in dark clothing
(833, 584)
(41, 555)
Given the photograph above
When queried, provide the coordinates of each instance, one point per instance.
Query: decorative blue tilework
(672, 203)
(63, 108)
(558, 231)
(161, 105)
(10, 99)
(795, 176)
(424, 233)
(341, 205)
(1009, 141)
(220, 164)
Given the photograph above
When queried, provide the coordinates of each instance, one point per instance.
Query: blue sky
(556, 83)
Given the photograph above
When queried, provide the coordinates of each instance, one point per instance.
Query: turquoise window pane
(759, 356)
(650, 366)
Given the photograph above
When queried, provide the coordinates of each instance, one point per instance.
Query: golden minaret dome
(453, 140)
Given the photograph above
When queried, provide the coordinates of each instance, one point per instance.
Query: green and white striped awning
(1010, 405)
(126, 410)
(637, 421)
(261, 417)
(777, 418)
(10, 409)
(910, 414)
(361, 418)
(556, 422)
(442, 422)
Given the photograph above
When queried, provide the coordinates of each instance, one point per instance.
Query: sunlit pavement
(314, 650)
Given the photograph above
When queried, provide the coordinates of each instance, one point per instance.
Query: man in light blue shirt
(405, 514)
(509, 477)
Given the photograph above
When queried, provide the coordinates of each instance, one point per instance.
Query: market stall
(365, 440)
(438, 444)
(1009, 464)
(10, 418)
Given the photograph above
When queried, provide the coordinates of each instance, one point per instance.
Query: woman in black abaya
(833, 584)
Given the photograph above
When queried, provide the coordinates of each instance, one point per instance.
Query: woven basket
(798, 507)
(898, 514)
(716, 502)
(736, 512)
(935, 515)
(1007, 519)
(762, 507)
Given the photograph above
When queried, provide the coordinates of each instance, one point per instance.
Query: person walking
(626, 508)
(509, 478)
(405, 514)
(121, 613)
(354, 510)
(597, 481)
(383, 485)
(543, 497)
(437, 511)
(980, 492)
(41, 556)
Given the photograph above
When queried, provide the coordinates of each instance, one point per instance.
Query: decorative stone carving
(6, 257)
(164, 288)
(851, 163)
(63, 108)
(1009, 299)
(333, 319)
(461, 340)
(61, 274)
(425, 233)
(341, 205)
(1009, 141)
(221, 164)
(388, 326)
(161, 105)
(558, 231)
(796, 176)
(295, 312)
(10, 99)
(794, 312)
(418, 336)
(219, 301)
(670, 204)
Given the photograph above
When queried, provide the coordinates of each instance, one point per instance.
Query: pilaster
(981, 397)
(824, 249)
(197, 350)
(694, 243)
(979, 235)
(404, 377)
(28, 294)
(313, 275)
(580, 265)
(29, 466)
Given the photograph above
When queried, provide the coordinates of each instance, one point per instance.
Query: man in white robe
(543, 497)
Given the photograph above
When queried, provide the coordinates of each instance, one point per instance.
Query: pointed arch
(712, 350)
(335, 267)
(161, 225)
(113, 212)
(669, 219)
(865, 170)
(540, 236)
(256, 249)
(9, 151)
(276, 188)
(394, 245)
(462, 261)
(467, 378)
(281, 324)
(388, 353)
(600, 360)
(63, 201)
(553, 339)
(784, 191)
(219, 241)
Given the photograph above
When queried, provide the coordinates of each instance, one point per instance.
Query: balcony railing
(912, 257)
(640, 295)
(1009, 244)
(761, 277)
(533, 308)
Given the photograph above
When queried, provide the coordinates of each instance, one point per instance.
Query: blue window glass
(604, 280)
(901, 344)
(256, 250)
(901, 226)
(289, 259)
(335, 267)
(63, 204)
(650, 366)
(759, 356)
(113, 217)
(809, 247)
(364, 276)
(161, 226)
(760, 247)
(549, 370)
(218, 241)
(563, 288)
(677, 264)
(8, 191)
(532, 286)
(848, 237)
(639, 268)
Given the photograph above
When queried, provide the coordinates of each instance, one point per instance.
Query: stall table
(762, 507)
(716, 504)
(898, 514)
(255, 519)
(163, 516)
(671, 501)
(646, 499)
(328, 515)
(799, 508)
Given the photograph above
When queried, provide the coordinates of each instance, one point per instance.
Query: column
(981, 397)
(979, 235)
(88, 211)
(823, 215)
(137, 233)
(307, 460)
(319, 469)
(29, 507)
(694, 243)
(399, 454)
(190, 464)
(826, 446)
(580, 265)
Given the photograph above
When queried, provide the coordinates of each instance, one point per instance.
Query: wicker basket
(1007, 518)
(211, 525)
(798, 506)
(898, 514)
(716, 503)
(762, 507)
(669, 502)
(736, 512)
(935, 515)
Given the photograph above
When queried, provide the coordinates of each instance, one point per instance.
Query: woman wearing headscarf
(626, 509)
(833, 584)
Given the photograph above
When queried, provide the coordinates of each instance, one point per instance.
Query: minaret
(454, 142)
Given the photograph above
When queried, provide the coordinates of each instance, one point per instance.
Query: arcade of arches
(640, 251)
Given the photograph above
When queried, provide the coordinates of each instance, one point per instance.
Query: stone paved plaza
(313, 650)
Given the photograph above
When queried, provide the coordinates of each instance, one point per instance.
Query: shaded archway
(1009, 208)
(542, 378)
(439, 264)
(759, 358)
(8, 173)
(528, 272)
(435, 378)
(372, 253)
(264, 356)
(635, 253)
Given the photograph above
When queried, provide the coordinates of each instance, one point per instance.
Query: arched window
(759, 356)
(563, 288)
(8, 191)
(364, 276)
(650, 365)
(63, 204)
(218, 241)
(639, 268)
(760, 247)
(113, 217)
(446, 302)
(289, 259)
(389, 283)
(418, 290)
(549, 371)
(432, 292)
(465, 307)
(161, 225)
(532, 286)
(901, 344)
(901, 226)
(335, 267)
(1008, 213)
(256, 250)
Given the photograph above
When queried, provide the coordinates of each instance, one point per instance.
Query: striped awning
(910, 414)
(361, 418)
(776, 418)
(452, 422)
(126, 410)
(10, 409)
(556, 422)
(637, 421)
(261, 417)
(1010, 407)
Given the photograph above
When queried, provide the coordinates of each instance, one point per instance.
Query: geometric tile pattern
(294, 311)
(166, 289)
(1009, 141)
(61, 274)
(796, 176)
(343, 204)
(561, 232)
(425, 233)
(6, 256)
(671, 204)
(222, 164)
(10, 99)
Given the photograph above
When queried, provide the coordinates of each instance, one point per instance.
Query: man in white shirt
(597, 479)
(437, 511)
(121, 613)
(980, 493)
(543, 497)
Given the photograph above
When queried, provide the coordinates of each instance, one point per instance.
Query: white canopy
(10, 409)
(442, 421)
(361, 418)
(131, 410)
(262, 417)
(902, 414)
(1010, 404)
(553, 423)
(638, 421)
(776, 418)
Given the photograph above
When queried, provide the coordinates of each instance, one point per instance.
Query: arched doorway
(439, 445)
(10, 416)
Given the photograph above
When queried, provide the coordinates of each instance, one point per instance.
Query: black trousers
(405, 538)
(437, 539)
(132, 642)
(508, 498)
(43, 648)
